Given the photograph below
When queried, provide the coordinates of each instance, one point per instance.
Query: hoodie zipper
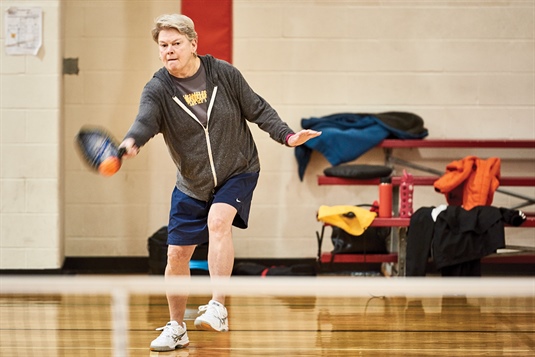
(206, 133)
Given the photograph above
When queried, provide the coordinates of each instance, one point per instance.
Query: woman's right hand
(131, 150)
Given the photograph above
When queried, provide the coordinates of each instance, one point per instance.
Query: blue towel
(346, 136)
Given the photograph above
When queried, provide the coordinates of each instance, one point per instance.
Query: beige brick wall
(466, 67)
(31, 224)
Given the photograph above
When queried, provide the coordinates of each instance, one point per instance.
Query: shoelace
(212, 308)
(170, 330)
(203, 308)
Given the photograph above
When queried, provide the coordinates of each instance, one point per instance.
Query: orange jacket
(470, 182)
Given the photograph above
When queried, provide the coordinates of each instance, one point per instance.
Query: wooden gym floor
(76, 325)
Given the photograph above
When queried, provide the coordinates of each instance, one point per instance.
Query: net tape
(272, 286)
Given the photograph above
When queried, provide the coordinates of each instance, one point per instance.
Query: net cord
(271, 286)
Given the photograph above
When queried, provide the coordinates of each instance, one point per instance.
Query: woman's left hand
(302, 137)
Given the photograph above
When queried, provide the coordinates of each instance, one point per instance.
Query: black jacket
(457, 236)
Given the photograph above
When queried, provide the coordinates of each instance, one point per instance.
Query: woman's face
(177, 52)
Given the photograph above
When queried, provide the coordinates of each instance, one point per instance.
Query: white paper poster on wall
(23, 30)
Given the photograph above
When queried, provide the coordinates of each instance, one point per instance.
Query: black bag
(157, 246)
(250, 268)
(372, 240)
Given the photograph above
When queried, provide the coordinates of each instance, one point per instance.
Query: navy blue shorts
(188, 216)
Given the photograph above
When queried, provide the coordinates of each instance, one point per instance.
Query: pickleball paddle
(99, 150)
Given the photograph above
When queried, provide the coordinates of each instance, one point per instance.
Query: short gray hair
(183, 24)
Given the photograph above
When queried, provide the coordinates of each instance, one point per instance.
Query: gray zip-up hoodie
(208, 156)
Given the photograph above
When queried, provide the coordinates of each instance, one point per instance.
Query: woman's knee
(220, 218)
(219, 225)
(179, 254)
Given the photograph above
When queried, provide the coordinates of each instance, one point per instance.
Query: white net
(276, 316)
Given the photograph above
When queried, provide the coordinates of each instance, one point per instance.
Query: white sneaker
(215, 317)
(173, 336)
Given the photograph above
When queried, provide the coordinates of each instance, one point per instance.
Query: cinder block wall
(466, 67)
(31, 168)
